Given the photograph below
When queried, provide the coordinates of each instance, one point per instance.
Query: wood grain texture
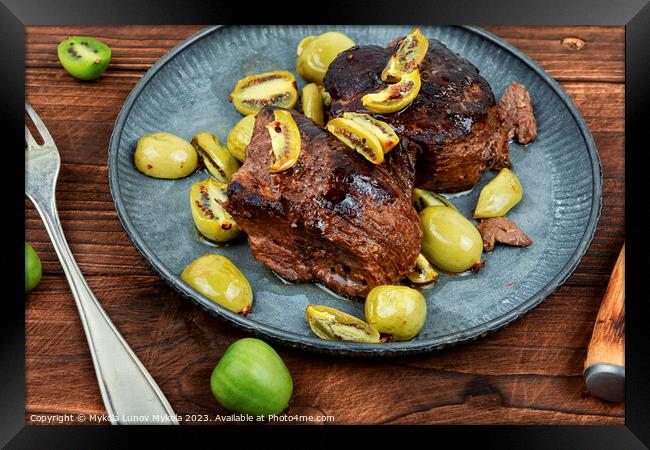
(529, 372)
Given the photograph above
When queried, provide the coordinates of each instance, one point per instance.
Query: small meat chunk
(500, 229)
(516, 113)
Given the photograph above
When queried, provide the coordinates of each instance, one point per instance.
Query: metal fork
(129, 392)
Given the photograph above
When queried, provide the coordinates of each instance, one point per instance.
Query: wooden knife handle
(605, 363)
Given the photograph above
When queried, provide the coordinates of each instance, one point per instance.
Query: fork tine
(40, 126)
(31, 142)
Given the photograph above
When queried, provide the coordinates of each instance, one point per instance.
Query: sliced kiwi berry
(285, 141)
(422, 199)
(382, 130)
(210, 217)
(394, 97)
(254, 92)
(409, 55)
(357, 137)
(217, 159)
(423, 273)
(84, 58)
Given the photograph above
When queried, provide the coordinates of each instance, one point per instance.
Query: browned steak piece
(400, 162)
(333, 217)
(516, 113)
(500, 229)
(454, 119)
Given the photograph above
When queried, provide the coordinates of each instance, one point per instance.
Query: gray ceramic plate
(187, 91)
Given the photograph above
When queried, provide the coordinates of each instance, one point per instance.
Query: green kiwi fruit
(84, 58)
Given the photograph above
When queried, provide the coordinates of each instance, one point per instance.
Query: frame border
(635, 14)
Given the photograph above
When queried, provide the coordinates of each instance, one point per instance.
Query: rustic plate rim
(291, 339)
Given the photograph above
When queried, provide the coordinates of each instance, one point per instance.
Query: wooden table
(529, 372)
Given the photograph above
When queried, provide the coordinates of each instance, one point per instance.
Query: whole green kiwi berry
(33, 268)
(251, 378)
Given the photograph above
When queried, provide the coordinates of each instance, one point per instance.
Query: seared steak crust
(333, 217)
(454, 119)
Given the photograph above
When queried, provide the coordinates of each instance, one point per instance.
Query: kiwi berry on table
(33, 268)
(84, 58)
(251, 378)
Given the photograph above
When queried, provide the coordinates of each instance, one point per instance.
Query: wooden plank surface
(529, 372)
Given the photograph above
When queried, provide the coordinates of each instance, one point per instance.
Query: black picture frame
(634, 14)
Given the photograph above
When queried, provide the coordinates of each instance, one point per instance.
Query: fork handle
(129, 392)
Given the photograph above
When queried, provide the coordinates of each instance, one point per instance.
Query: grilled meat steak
(333, 217)
(453, 121)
